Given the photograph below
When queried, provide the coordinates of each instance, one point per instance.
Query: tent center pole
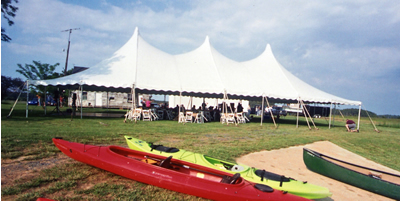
(81, 99)
(27, 98)
(297, 121)
(44, 104)
(262, 110)
(359, 115)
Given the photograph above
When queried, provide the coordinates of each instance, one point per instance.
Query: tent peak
(268, 47)
(207, 40)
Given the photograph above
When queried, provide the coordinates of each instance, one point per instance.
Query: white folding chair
(146, 115)
(197, 118)
(223, 118)
(181, 118)
(129, 115)
(230, 118)
(153, 114)
(240, 118)
(189, 117)
(137, 114)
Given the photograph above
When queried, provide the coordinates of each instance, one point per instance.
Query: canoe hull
(125, 162)
(316, 163)
(292, 186)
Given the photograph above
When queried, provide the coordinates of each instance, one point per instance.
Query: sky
(350, 49)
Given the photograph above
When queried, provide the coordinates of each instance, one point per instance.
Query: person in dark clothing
(239, 108)
(73, 113)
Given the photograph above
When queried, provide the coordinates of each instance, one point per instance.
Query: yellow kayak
(276, 181)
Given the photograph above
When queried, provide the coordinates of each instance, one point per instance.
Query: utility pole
(69, 37)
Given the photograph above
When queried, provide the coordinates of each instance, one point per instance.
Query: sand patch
(289, 162)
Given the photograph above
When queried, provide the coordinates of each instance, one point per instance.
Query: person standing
(73, 113)
(148, 103)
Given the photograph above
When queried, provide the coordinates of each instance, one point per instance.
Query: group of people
(146, 103)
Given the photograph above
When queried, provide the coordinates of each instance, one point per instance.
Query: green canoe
(376, 181)
(276, 181)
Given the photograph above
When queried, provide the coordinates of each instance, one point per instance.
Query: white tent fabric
(203, 72)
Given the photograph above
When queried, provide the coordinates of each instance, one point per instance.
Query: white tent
(203, 72)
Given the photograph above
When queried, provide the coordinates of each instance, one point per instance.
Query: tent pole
(27, 97)
(44, 104)
(312, 121)
(297, 122)
(180, 103)
(305, 114)
(330, 116)
(81, 99)
(16, 101)
(262, 110)
(359, 115)
(333, 116)
(270, 111)
(190, 102)
(133, 97)
(372, 122)
(133, 101)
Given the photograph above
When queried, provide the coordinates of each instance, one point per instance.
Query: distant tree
(354, 112)
(10, 85)
(38, 71)
(8, 11)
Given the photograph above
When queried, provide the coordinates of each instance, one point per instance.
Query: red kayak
(169, 173)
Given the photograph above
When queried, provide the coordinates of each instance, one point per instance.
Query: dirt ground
(289, 162)
(12, 170)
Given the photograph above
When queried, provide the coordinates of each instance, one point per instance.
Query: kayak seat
(271, 176)
(166, 163)
(230, 180)
(163, 148)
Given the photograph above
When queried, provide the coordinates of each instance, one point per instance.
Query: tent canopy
(203, 72)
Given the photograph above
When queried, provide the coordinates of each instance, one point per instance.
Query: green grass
(29, 139)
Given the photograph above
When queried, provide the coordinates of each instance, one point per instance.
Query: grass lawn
(28, 141)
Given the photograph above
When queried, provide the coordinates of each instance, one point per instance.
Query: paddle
(229, 180)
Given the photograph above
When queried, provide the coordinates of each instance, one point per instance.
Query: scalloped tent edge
(203, 72)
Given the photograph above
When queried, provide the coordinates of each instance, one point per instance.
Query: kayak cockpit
(176, 166)
(163, 148)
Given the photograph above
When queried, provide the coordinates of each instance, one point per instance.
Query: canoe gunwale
(321, 156)
(352, 164)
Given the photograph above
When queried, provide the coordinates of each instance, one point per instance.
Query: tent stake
(270, 111)
(305, 115)
(359, 115)
(312, 121)
(372, 122)
(15, 103)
